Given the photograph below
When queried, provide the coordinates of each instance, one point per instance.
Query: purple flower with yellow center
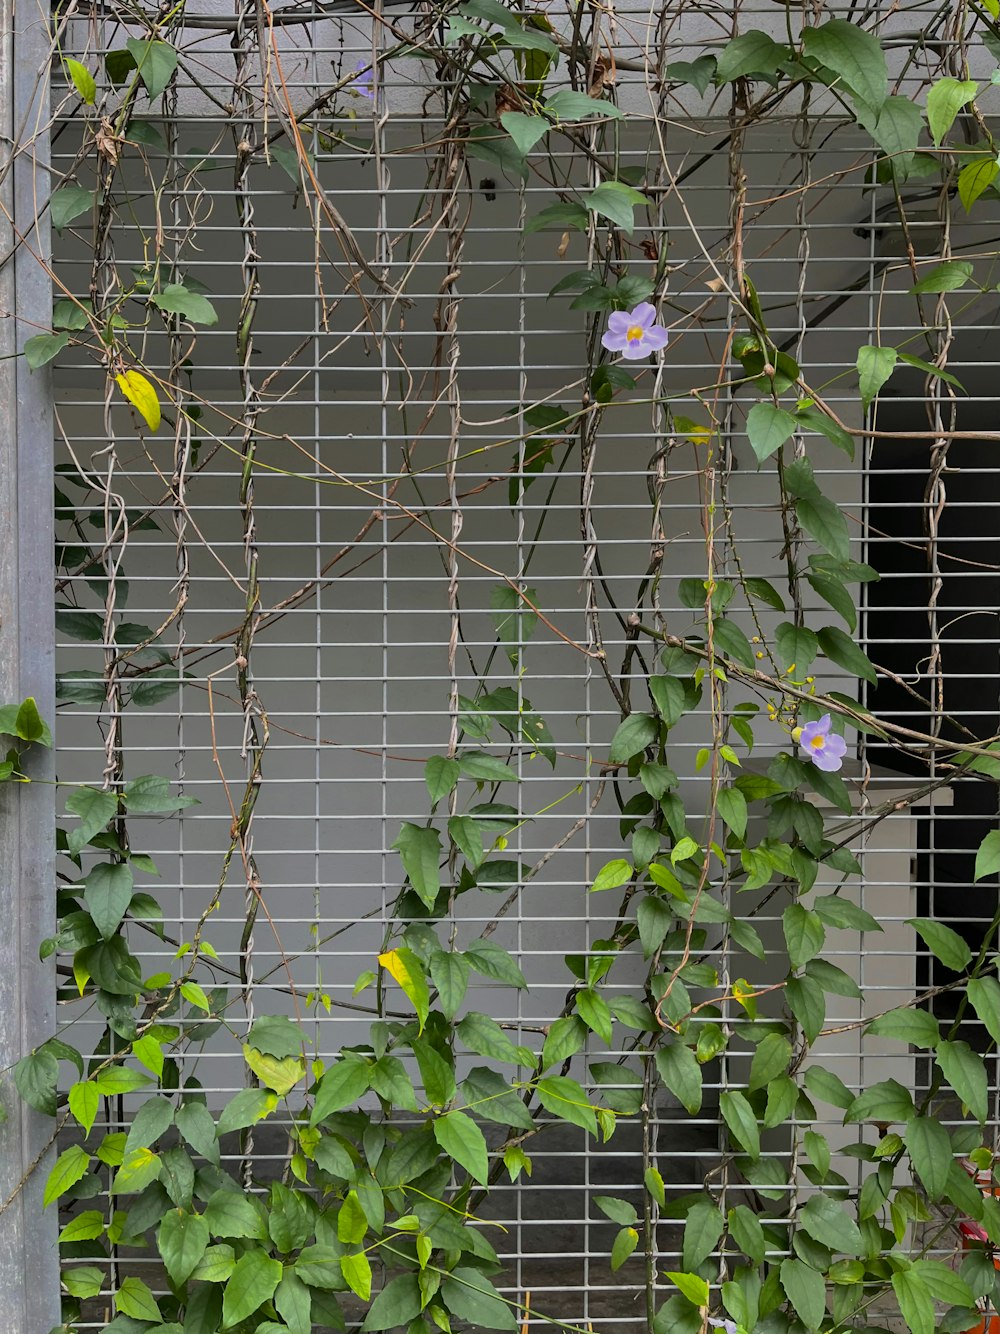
(823, 747)
(361, 84)
(634, 333)
(727, 1326)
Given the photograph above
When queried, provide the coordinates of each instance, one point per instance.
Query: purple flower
(635, 333)
(727, 1326)
(823, 747)
(361, 84)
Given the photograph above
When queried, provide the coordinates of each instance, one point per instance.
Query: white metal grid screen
(384, 507)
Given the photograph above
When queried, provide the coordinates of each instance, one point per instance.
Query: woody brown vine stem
(245, 47)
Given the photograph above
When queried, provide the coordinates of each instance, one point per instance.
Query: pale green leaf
(109, 889)
(155, 61)
(176, 299)
(624, 1244)
(634, 734)
(84, 1281)
(419, 848)
(829, 1223)
(450, 974)
(84, 1227)
(875, 365)
(84, 1100)
(804, 934)
(42, 348)
(681, 1073)
(565, 104)
(524, 130)
(984, 994)
(134, 1299)
(693, 1286)
(68, 203)
(72, 1164)
(917, 1027)
(825, 524)
(841, 649)
(280, 1075)
(739, 1117)
(751, 53)
(440, 774)
(564, 1098)
(805, 1289)
(944, 943)
(252, 1283)
(965, 1071)
(182, 1240)
(614, 874)
(915, 1301)
(460, 1138)
(988, 856)
(396, 1305)
(945, 99)
(946, 277)
(975, 178)
(732, 806)
(82, 79)
(340, 1087)
(853, 55)
(246, 1108)
(358, 1273)
(771, 1059)
(471, 1296)
(929, 1146)
(616, 202)
(768, 427)
(703, 1227)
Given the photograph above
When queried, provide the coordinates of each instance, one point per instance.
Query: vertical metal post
(29, 1272)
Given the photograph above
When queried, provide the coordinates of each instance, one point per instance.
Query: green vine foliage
(395, 1143)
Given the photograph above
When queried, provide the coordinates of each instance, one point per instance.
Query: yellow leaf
(141, 394)
(281, 1076)
(404, 966)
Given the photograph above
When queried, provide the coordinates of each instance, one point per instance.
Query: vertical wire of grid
(385, 267)
(588, 458)
(801, 136)
(523, 803)
(319, 980)
(731, 266)
(660, 452)
(182, 459)
(718, 478)
(866, 449)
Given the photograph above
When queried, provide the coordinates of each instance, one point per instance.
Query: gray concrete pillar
(29, 1275)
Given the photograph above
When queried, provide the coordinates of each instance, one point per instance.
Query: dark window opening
(899, 638)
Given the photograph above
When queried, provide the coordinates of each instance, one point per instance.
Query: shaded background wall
(353, 674)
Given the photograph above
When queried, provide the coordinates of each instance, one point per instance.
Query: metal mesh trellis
(305, 584)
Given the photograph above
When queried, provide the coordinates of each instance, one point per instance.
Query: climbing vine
(393, 1146)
